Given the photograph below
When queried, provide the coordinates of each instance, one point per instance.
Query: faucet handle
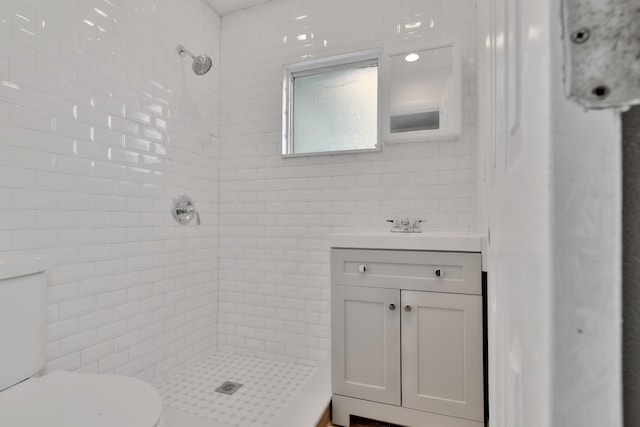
(395, 224)
(192, 211)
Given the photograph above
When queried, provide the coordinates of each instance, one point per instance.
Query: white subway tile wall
(102, 124)
(276, 214)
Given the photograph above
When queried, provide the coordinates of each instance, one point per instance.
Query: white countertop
(14, 265)
(425, 241)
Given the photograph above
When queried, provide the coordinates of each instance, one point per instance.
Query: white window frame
(321, 66)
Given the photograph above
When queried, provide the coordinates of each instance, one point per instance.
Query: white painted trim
(330, 153)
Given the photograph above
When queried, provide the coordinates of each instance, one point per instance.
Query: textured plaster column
(631, 266)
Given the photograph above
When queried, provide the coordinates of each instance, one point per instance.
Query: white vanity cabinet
(407, 337)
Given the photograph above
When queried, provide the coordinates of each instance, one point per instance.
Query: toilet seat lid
(67, 399)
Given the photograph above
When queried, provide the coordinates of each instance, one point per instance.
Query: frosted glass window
(331, 108)
(336, 111)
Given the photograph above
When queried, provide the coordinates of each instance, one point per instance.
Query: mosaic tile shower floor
(268, 386)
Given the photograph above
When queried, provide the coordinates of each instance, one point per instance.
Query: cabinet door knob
(392, 306)
(407, 308)
(362, 268)
(438, 272)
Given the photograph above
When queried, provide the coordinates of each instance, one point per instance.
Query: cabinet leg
(339, 415)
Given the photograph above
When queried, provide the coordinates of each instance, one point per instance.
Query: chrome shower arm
(182, 50)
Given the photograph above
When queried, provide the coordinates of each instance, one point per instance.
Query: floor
(325, 421)
(362, 422)
(268, 386)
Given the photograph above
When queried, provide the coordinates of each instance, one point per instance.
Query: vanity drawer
(452, 272)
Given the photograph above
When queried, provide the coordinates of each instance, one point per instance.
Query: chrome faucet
(404, 225)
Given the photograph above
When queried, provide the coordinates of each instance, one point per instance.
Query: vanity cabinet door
(442, 354)
(365, 340)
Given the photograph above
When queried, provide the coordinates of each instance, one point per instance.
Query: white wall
(553, 185)
(587, 255)
(276, 214)
(101, 125)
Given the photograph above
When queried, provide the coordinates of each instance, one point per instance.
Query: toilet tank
(22, 317)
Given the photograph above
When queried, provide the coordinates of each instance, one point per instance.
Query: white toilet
(58, 399)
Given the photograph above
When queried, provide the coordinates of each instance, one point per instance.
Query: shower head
(201, 64)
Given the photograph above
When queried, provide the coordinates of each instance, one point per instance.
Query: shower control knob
(362, 268)
(407, 308)
(438, 272)
(392, 306)
(183, 210)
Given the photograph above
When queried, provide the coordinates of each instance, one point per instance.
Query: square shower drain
(228, 387)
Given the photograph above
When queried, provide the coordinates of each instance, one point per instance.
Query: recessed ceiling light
(412, 57)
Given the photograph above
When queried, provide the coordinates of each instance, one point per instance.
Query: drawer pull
(362, 268)
(392, 306)
(407, 308)
(438, 272)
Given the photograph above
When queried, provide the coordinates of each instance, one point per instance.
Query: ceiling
(227, 6)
